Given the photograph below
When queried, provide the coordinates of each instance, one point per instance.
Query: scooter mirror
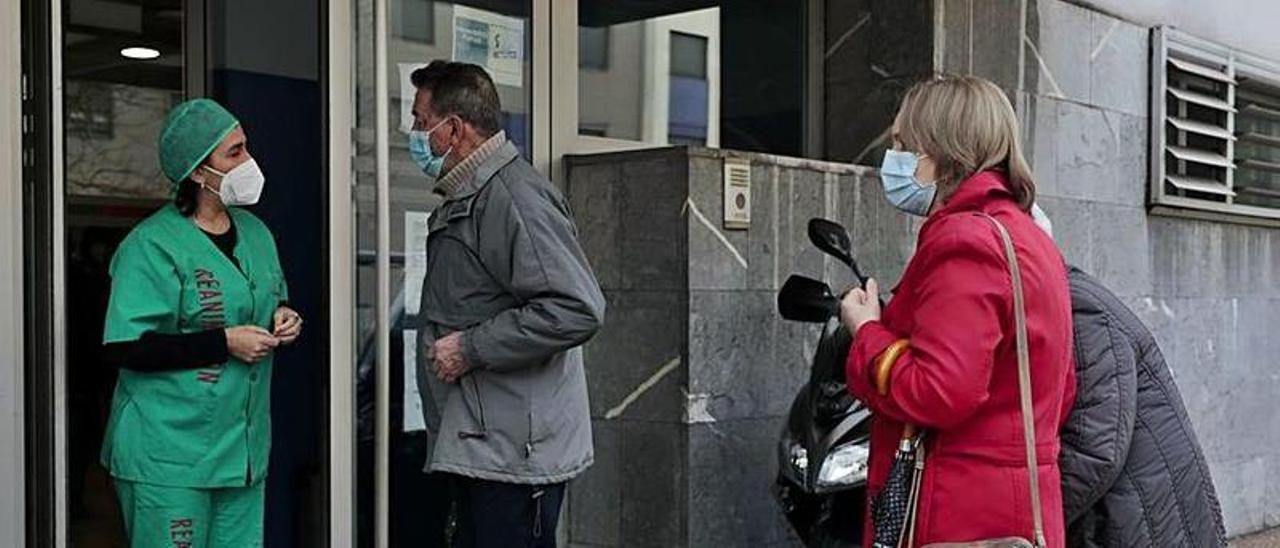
(807, 300)
(832, 239)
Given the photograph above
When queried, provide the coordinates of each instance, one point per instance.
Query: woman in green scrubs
(197, 310)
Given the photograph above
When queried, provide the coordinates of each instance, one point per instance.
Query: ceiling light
(140, 53)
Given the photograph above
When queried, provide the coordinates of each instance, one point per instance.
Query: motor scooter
(823, 450)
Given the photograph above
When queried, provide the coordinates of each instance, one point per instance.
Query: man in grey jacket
(508, 300)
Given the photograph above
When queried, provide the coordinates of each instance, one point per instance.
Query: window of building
(593, 48)
(417, 21)
(688, 90)
(688, 55)
(1216, 128)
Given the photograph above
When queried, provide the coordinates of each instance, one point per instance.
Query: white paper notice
(493, 41)
(413, 418)
(416, 228)
(407, 92)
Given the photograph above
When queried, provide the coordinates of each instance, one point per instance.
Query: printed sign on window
(495, 42)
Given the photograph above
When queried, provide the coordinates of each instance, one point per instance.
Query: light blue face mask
(420, 150)
(898, 175)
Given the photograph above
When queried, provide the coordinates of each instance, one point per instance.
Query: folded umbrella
(891, 507)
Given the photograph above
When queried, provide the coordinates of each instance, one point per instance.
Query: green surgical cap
(191, 131)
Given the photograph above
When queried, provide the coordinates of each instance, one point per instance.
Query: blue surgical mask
(904, 191)
(420, 150)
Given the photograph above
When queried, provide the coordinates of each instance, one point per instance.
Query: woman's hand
(860, 306)
(288, 325)
(250, 343)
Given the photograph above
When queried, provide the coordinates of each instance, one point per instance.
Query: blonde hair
(967, 126)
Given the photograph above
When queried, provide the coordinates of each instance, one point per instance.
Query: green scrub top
(200, 428)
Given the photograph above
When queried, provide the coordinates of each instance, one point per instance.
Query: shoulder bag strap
(1024, 381)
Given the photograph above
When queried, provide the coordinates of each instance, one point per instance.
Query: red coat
(959, 380)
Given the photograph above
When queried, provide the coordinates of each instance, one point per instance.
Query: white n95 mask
(241, 186)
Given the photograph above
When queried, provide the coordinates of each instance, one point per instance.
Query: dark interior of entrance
(125, 64)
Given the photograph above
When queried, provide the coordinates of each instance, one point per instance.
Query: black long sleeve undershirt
(167, 352)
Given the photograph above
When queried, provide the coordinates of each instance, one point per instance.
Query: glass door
(123, 66)
(119, 67)
(397, 503)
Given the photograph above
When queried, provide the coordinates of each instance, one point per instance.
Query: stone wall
(694, 373)
(874, 51)
(1208, 290)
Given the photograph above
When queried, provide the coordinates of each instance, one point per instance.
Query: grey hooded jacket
(1133, 474)
(505, 269)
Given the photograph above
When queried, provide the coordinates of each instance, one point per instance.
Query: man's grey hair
(463, 90)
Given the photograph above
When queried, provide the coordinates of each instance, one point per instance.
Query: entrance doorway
(123, 64)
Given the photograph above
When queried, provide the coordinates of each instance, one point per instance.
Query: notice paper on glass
(493, 41)
(416, 227)
(413, 418)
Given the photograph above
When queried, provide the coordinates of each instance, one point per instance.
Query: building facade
(1153, 128)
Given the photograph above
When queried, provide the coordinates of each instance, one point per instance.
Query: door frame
(56, 321)
(34, 297)
(338, 74)
(13, 509)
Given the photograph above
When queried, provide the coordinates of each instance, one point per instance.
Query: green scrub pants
(156, 516)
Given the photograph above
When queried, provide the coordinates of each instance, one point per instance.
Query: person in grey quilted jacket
(1133, 473)
(508, 300)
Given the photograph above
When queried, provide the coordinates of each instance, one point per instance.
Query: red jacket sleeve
(961, 295)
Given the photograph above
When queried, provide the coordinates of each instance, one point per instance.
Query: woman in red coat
(956, 156)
